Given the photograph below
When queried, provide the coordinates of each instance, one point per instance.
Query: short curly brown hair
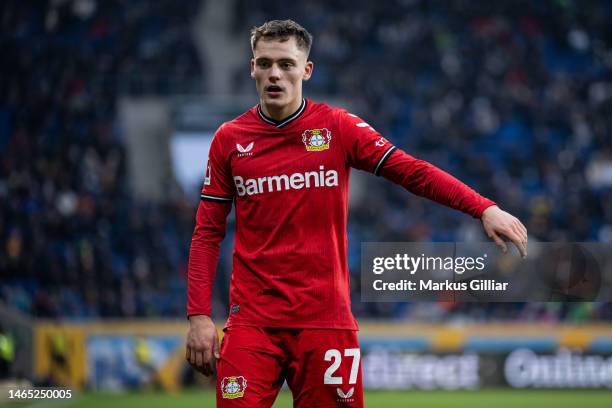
(282, 30)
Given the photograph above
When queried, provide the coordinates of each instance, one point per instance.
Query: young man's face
(278, 68)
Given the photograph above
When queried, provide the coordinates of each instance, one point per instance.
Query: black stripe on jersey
(207, 197)
(281, 123)
(383, 159)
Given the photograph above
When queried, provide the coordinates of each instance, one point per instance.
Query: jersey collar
(287, 120)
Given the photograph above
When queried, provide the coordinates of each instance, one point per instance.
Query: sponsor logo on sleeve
(207, 176)
(381, 142)
(316, 140)
(233, 387)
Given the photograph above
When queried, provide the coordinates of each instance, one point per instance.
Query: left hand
(497, 223)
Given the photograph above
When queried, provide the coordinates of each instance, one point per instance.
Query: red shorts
(322, 367)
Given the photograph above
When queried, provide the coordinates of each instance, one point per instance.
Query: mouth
(273, 90)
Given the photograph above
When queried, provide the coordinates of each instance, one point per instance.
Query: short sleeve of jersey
(218, 184)
(365, 148)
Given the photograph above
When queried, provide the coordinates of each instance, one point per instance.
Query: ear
(253, 68)
(308, 70)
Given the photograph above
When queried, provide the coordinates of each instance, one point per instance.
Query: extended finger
(518, 243)
(192, 357)
(521, 228)
(207, 360)
(206, 366)
(199, 359)
(216, 347)
(523, 237)
(500, 242)
(520, 234)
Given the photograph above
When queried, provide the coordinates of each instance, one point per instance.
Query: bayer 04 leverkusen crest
(316, 140)
(233, 387)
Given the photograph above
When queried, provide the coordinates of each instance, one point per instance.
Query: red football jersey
(289, 183)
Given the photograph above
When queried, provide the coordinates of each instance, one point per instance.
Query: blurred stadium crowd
(514, 98)
(74, 241)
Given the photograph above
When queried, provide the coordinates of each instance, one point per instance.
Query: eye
(287, 65)
(263, 64)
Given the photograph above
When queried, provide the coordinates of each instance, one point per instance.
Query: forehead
(278, 49)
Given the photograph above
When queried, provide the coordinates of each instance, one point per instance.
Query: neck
(281, 112)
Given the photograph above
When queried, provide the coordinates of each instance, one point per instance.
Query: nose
(275, 72)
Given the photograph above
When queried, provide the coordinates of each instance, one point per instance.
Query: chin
(274, 102)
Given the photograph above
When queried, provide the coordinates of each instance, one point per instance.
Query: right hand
(202, 344)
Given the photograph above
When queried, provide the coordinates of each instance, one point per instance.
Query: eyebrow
(279, 60)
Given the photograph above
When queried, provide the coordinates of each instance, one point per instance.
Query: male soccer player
(285, 165)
